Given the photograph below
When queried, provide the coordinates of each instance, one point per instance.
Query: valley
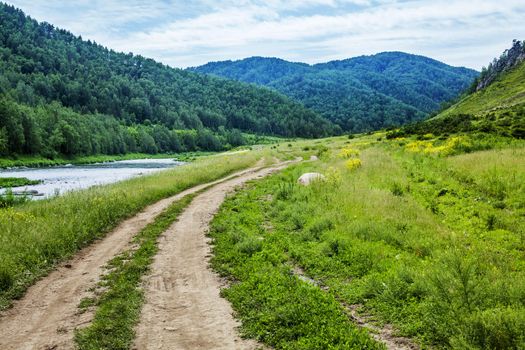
(370, 202)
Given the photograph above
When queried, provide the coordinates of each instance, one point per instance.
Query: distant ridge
(359, 94)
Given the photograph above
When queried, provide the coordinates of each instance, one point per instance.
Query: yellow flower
(448, 147)
(348, 152)
(352, 164)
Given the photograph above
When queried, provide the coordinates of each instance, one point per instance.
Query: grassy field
(418, 235)
(35, 236)
(426, 235)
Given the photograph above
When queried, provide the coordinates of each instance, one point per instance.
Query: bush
(250, 246)
(320, 226)
(397, 189)
(498, 328)
(6, 279)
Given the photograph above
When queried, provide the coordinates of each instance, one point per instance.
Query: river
(61, 179)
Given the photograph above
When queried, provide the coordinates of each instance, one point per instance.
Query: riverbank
(50, 231)
(38, 162)
(8, 182)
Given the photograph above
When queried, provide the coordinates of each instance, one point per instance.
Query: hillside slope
(361, 93)
(42, 67)
(495, 105)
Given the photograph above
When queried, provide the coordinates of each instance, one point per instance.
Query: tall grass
(37, 235)
(431, 245)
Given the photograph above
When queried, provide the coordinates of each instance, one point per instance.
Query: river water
(61, 179)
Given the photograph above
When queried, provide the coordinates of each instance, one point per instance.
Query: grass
(35, 236)
(118, 308)
(7, 198)
(7, 182)
(498, 109)
(429, 238)
(430, 243)
(506, 91)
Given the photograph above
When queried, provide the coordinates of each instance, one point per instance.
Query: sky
(187, 33)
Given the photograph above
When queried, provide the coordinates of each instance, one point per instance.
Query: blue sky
(189, 33)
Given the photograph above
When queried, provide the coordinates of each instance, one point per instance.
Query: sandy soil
(183, 308)
(46, 317)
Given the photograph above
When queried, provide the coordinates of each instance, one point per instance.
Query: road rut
(183, 308)
(46, 317)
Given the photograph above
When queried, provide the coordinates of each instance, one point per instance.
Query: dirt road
(45, 318)
(183, 308)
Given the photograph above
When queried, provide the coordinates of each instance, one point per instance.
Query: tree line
(65, 88)
(52, 130)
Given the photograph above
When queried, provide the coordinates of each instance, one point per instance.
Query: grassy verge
(6, 182)
(118, 308)
(36, 235)
(36, 162)
(430, 243)
(275, 306)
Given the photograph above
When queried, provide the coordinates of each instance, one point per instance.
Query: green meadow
(427, 238)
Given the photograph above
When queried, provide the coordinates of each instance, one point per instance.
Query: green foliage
(495, 104)
(359, 94)
(443, 262)
(9, 199)
(37, 161)
(61, 95)
(16, 182)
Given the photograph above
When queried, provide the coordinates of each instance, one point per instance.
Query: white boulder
(307, 178)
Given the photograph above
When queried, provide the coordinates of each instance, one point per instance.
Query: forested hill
(361, 93)
(61, 94)
(495, 104)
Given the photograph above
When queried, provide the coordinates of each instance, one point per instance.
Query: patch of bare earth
(183, 308)
(47, 315)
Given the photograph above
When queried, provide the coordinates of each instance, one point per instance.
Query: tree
(3, 141)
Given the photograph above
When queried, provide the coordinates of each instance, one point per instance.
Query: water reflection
(58, 180)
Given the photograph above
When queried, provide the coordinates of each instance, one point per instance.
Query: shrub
(348, 153)
(397, 189)
(320, 226)
(250, 246)
(285, 190)
(498, 328)
(6, 279)
(352, 164)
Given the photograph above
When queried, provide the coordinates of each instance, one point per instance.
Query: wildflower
(450, 146)
(333, 176)
(348, 153)
(352, 164)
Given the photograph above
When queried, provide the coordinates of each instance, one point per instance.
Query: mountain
(359, 94)
(60, 94)
(495, 104)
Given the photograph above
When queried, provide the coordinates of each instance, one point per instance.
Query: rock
(307, 178)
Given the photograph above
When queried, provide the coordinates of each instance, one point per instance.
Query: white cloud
(457, 32)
